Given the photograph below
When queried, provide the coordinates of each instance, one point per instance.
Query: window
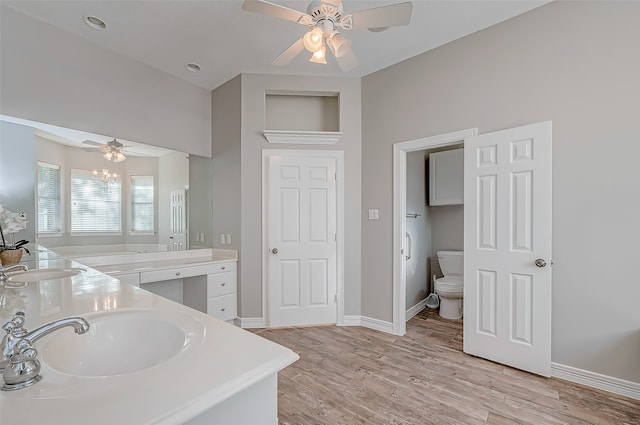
(49, 198)
(142, 204)
(96, 202)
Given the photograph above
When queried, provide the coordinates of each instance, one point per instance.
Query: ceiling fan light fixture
(339, 44)
(118, 156)
(312, 40)
(107, 155)
(319, 56)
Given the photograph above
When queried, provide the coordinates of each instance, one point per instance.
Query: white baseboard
(596, 380)
(368, 322)
(416, 309)
(351, 321)
(377, 324)
(251, 322)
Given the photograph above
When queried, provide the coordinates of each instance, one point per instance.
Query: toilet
(450, 288)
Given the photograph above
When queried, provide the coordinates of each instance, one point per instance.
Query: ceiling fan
(324, 18)
(112, 151)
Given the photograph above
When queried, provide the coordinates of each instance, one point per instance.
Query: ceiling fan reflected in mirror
(112, 151)
(325, 18)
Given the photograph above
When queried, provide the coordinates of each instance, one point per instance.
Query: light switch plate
(228, 239)
(222, 238)
(373, 214)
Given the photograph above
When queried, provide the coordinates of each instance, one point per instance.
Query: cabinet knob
(223, 309)
(177, 273)
(223, 283)
(223, 267)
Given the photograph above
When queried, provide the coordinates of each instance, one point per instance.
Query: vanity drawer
(175, 273)
(221, 284)
(223, 307)
(223, 267)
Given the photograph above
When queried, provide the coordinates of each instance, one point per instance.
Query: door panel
(302, 240)
(507, 298)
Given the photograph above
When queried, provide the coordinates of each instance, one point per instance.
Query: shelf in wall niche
(302, 137)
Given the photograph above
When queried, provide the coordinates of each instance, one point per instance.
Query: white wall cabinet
(446, 178)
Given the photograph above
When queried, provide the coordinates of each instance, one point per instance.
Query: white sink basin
(122, 342)
(37, 275)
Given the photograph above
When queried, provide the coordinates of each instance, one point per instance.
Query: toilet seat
(450, 284)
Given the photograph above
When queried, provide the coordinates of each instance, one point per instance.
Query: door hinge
(335, 298)
(335, 237)
(335, 177)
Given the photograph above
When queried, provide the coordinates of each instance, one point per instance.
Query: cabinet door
(446, 177)
(223, 307)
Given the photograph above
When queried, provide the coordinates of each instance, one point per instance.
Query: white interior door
(302, 240)
(507, 270)
(178, 221)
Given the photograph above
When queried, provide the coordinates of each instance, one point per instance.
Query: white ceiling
(226, 41)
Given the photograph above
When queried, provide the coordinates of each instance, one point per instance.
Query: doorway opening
(400, 240)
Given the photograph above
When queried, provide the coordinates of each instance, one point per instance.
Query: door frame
(338, 155)
(400, 151)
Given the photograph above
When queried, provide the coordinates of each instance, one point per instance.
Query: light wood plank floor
(353, 375)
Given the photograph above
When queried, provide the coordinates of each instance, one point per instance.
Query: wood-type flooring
(354, 375)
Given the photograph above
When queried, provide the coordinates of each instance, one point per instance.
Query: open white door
(178, 234)
(302, 229)
(507, 245)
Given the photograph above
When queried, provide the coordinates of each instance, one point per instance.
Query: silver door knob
(274, 251)
(540, 262)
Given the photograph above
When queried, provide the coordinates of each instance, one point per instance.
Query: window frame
(59, 230)
(95, 176)
(133, 231)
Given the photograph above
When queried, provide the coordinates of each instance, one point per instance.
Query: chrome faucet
(3, 276)
(19, 362)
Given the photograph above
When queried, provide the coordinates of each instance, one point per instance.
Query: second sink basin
(37, 275)
(122, 342)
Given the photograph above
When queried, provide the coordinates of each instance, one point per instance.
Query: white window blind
(142, 204)
(96, 203)
(48, 198)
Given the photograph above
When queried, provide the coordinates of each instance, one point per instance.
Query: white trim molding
(596, 380)
(416, 309)
(351, 321)
(338, 155)
(302, 137)
(250, 322)
(399, 214)
(368, 322)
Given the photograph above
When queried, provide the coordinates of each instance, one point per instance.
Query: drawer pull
(223, 267)
(223, 283)
(223, 309)
(177, 273)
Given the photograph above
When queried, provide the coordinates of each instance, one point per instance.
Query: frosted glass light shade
(339, 45)
(312, 40)
(319, 56)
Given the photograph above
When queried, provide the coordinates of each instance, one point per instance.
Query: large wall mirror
(95, 193)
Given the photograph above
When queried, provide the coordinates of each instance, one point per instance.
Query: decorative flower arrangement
(10, 224)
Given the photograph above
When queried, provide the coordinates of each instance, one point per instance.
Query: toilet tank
(451, 262)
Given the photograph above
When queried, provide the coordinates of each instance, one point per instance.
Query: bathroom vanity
(203, 279)
(144, 360)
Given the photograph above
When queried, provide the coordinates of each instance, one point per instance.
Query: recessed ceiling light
(95, 23)
(193, 67)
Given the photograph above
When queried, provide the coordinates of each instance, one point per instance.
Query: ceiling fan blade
(271, 9)
(92, 143)
(386, 16)
(286, 56)
(348, 61)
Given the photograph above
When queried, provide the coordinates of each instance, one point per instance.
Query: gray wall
(18, 175)
(54, 77)
(253, 91)
(575, 63)
(200, 201)
(420, 229)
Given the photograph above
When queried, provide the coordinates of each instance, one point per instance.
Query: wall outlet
(222, 238)
(201, 237)
(228, 238)
(373, 214)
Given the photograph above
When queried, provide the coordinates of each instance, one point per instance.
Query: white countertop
(224, 362)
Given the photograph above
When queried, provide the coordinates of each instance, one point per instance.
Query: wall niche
(302, 118)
